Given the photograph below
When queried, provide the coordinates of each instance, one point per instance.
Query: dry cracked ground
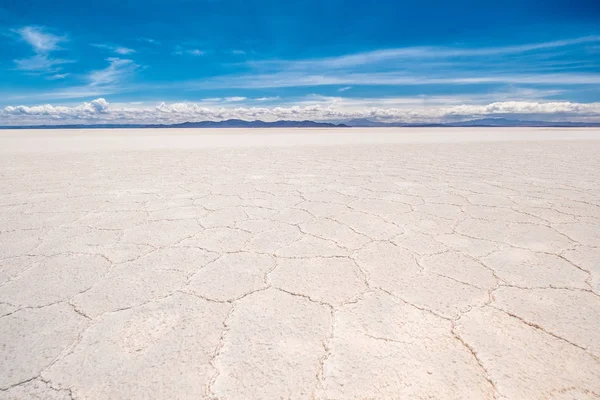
(383, 271)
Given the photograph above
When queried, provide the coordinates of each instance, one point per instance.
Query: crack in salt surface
(473, 353)
(217, 352)
(544, 330)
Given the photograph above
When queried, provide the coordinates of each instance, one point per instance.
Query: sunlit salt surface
(327, 264)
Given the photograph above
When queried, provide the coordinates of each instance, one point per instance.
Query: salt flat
(300, 264)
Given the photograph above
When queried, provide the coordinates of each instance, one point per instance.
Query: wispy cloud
(421, 53)
(108, 80)
(292, 79)
(124, 50)
(532, 63)
(40, 63)
(42, 43)
(117, 70)
(180, 51)
(149, 40)
(116, 49)
(40, 39)
(57, 76)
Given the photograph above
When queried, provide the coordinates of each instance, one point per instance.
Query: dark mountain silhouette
(238, 123)
(230, 123)
(484, 122)
(516, 122)
(362, 122)
(367, 123)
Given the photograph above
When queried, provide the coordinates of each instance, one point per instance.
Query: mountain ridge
(356, 123)
(230, 123)
(483, 122)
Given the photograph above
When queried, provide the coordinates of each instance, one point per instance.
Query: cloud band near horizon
(326, 109)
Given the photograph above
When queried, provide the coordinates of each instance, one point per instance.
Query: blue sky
(178, 60)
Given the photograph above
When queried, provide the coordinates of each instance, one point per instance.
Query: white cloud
(116, 49)
(41, 40)
(40, 63)
(82, 111)
(403, 78)
(109, 80)
(57, 76)
(117, 70)
(42, 43)
(423, 52)
(180, 51)
(124, 50)
(149, 40)
(529, 63)
(321, 108)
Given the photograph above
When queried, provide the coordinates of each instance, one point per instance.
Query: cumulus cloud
(99, 105)
(51, 112)
(100, 111)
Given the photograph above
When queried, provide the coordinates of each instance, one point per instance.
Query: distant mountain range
(230, 123)
(365, 123)
(485, 122)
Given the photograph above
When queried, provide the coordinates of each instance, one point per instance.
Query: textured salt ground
(464, 267)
